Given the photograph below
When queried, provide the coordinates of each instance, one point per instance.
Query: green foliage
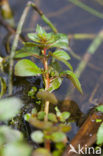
(42, 47)
(26, 68)
(70, 75)
(32, 91)
(9, 107)
(45, 41)
(52, 117)
(62, 116)
(61, 55)
(41, 115)
(37, 136)
(55, 84)
(41, 152)
(58, 137)
(17, 149)
(9, 135)
(27, 50)
(11, 141)
(27, 116)
(100, 108)
(45, 95)
(100, 135)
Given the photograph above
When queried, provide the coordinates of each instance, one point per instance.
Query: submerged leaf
(45, 95)
(26, 68)
(40, 124)
(9, 108)
(37, 136)
(73, 78)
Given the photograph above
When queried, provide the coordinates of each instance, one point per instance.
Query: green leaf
(52, 117)
(60, 54)
(61, 41)
(60, 146)
(58, 113)
(27, 51)
(64, 116)
(40, 124)
(34, 37)
(41, 115)
(64, 128)
(57, 153)
(26, 68)
(100, 108)
(27, 116)
(70, 75)
(34, 111)
(37, 136)
(45, 95)
(67, 64)
(9, 107)
(40, 30)
(62, 60)
(41, 152)
(2, 86)
(55, 84)
(17, 149)
(100, 135)
(58, 136)
(9, 135)
(32, 92)
(56, 65)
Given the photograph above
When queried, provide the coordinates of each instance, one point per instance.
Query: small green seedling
(50, 132)
(50, 49)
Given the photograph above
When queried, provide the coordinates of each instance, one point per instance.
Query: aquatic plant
(48, 48)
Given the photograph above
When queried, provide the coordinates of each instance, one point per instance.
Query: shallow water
(68, 19)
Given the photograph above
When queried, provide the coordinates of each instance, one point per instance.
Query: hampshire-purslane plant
(50, 49)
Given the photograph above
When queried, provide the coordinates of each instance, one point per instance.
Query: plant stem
(44, 18)
(87, 8)
(14, 46)
(46, 79)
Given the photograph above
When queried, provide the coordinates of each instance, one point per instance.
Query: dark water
(68, 19)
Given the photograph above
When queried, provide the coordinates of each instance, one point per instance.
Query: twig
(87, 8)
(45, 19)
(14, 46)
(35, 16)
